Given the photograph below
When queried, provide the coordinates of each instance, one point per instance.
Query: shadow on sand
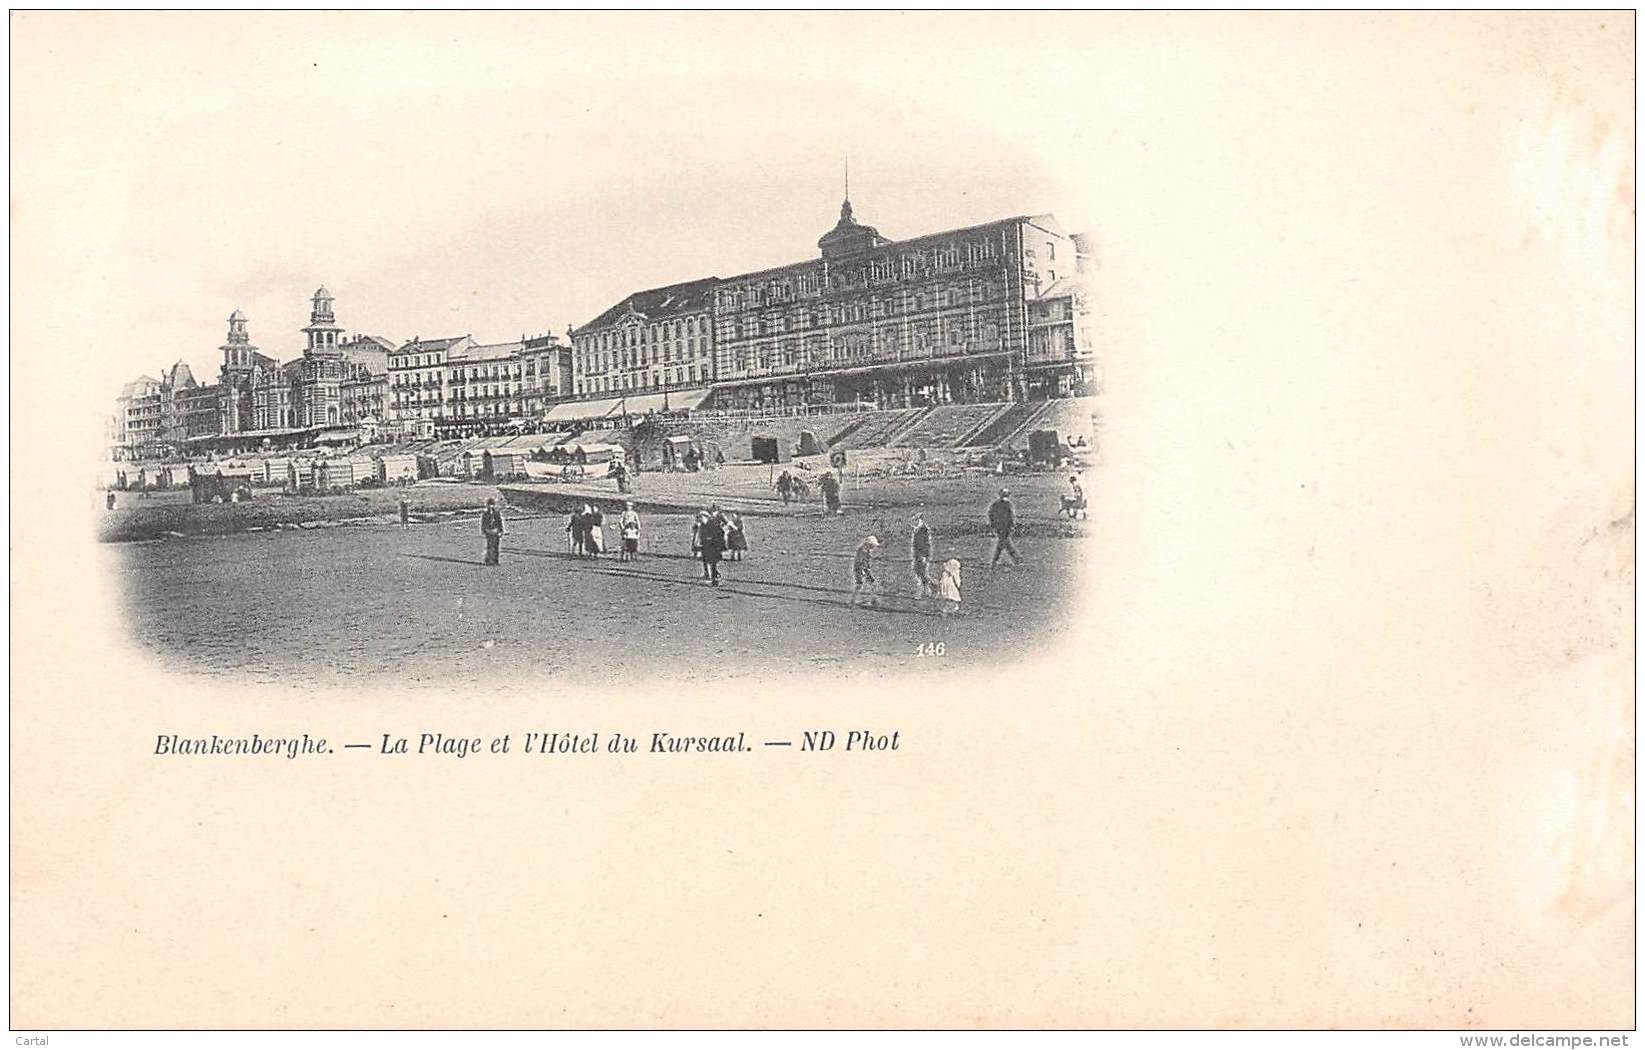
(740, 585)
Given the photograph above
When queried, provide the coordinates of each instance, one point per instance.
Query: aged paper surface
(1338, 732)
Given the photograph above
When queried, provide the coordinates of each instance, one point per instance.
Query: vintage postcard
(822, 520)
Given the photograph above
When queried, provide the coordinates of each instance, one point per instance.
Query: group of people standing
(791, 487)
(586, 532)
(716, 536)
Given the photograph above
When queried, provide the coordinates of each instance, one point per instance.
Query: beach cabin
(771, 449)
(503, 464)
(675, 451)
(333, 475)
(225, 484)
(300, 475)
(397, 469)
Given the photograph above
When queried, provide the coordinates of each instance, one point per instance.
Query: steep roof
(485, 351)
(655, 303)
(179, 376)
(379, 340)
(422, 345)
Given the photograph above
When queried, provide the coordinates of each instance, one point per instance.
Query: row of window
(639, 334)
(922, 340)
(640, 357)
(900, 265)
(667, 377)
(858, 310)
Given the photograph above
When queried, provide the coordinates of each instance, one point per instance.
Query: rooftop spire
(845, 206)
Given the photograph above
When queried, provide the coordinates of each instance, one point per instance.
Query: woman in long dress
(595, 520)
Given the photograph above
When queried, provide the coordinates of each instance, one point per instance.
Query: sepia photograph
(823, 520)
(826, 445)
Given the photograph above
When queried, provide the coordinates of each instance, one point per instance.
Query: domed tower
(323, 331)
(237, 350)
(239, 362)
(848, 237)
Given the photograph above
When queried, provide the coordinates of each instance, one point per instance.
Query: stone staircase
(948, 426)
(875, 428)
(1002, 427)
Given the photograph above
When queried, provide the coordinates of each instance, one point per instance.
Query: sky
(498, 175)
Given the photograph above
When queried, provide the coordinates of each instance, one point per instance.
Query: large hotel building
(996, 312)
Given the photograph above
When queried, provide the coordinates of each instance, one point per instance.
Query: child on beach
(862, 571)
(630, 522)
(736, 539)
(949, 586)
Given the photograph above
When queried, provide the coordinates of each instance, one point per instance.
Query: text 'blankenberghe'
(548, 744)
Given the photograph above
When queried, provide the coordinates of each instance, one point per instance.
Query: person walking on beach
(619, 468)
(920, 549)
(1002, 518)
(405, 514)
(630, 526)
(785, 486)
(862, 571)
(736, 540)
(574, 532)
(697, 526)
(711, 535)
(831, 494)
(491, 524)
(1074, 505)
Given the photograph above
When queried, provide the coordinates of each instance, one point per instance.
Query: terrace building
(417, 371)
(137, 417)
(548, 375)
(655, 340)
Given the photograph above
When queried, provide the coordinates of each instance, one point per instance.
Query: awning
(906, 364)
(677, 401)
(569, 410)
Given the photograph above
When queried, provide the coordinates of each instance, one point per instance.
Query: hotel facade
(995, 312)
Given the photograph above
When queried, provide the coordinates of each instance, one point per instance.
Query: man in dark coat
(574, 532)
(491, 524)
(920, 548)
(711, 536)
(831, 495)
(1002, 518)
